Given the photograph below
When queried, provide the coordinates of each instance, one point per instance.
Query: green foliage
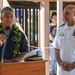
(16, 38)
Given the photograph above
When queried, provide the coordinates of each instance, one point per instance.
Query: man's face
(69, 16)
(7, 19)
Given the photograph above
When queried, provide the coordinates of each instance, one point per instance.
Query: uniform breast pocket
(73, 37)
(73, 41)
(62, 41)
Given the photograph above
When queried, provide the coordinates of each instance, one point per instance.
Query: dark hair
(53, 13)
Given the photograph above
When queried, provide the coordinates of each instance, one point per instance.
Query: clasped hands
(2, 39)
(67, 66)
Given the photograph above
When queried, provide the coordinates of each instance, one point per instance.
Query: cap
(34, 55)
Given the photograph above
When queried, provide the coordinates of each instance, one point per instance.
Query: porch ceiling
(43, 0)
(31, 3)
(23, 4)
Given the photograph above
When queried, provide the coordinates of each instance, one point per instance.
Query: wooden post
(59, 12)
(44, 31)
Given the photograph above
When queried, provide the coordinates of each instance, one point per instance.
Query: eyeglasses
(54, 18)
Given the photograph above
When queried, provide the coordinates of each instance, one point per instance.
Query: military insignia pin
(61, 34)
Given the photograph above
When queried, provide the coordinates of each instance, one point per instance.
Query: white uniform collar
(66, 26)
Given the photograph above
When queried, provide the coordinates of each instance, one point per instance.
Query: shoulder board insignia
(62, 24)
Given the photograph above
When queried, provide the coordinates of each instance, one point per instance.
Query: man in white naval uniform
(64, 43)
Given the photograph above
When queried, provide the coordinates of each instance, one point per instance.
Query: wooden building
(41, 13)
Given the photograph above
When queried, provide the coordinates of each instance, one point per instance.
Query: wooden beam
(24, 4)
(41, 0)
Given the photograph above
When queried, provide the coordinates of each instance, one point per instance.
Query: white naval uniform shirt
(65, 42)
